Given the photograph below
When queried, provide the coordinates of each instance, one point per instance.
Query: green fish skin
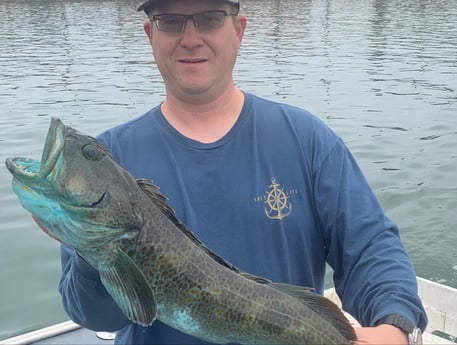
(150, 263)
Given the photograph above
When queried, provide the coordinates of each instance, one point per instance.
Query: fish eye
(91, 152)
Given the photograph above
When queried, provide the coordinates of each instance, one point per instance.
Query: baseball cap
(147, 6)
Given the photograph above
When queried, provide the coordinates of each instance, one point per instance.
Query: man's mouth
(193, 60)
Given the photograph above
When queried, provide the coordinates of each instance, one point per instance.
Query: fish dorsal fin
(160, 200)
(299, 292)
(153, 192)
(321, 305)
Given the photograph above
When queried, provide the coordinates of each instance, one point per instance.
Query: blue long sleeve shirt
(279, 196)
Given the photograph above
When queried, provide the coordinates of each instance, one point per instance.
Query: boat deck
(440, 303)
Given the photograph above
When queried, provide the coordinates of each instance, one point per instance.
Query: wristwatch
(414, 333)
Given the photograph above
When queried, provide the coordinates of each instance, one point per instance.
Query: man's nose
(190, 35)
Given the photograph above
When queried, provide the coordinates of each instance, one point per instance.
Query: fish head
(77, 191)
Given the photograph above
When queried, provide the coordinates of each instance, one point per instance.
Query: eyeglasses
(203, 21)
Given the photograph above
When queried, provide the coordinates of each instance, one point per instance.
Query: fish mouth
(28, 169)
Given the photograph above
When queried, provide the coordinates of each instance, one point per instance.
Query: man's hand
(381, 334)
(42, 227)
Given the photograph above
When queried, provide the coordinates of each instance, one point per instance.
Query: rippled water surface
(382, 74)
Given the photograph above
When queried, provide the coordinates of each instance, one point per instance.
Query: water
(382, 74)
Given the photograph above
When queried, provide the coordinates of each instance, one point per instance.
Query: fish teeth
(27, 170)
(28, 166)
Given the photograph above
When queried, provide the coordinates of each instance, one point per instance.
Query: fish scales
(193, 279)
(150, 263)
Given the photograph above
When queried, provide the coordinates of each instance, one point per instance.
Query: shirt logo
(277, 202)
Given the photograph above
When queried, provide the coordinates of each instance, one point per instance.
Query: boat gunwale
(436, 298)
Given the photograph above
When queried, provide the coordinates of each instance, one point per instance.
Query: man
(267, 186)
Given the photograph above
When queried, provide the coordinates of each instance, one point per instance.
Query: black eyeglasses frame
(185, 17)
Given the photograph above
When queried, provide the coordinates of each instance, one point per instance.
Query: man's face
(193, 62)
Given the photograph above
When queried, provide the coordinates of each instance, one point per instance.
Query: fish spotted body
(150, 263)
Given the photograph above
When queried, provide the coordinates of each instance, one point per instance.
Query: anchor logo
(277, 201)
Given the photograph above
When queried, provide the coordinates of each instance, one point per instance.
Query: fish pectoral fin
(128, 286)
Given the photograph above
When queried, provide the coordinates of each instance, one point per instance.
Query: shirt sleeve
(373, 273)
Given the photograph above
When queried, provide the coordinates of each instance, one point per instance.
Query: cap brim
(149, 3)
(146, 5)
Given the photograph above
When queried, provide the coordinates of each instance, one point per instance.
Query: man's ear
(147, 26)
(240, 26)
